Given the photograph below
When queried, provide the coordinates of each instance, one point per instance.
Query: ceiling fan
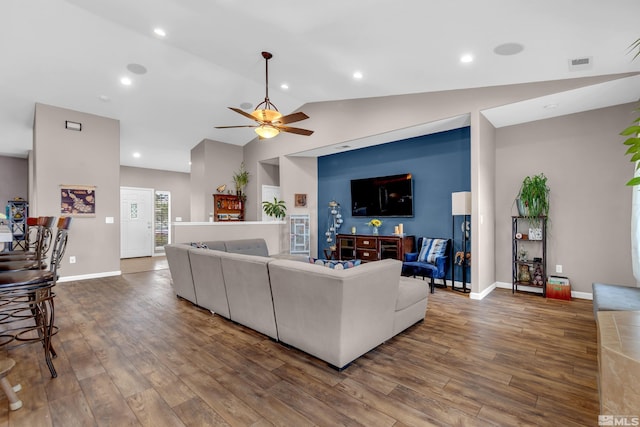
(270, 121)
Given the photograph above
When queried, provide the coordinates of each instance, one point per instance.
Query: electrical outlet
(72, 260)
(558, 268)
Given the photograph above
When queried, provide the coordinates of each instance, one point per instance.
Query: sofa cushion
(247, 247)
(246, 281)
(432, 249)
(615, 298)
(410, 291)
(335, 264)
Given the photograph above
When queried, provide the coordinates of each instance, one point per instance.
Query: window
(162, 213)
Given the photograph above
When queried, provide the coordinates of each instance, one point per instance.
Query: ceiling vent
(578, 64)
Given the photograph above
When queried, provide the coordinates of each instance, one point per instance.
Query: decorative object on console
(334, 221)
(375, 224)
(221, 188)
(270, 121)
(461, 206)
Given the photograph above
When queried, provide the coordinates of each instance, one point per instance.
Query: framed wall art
(78, 200)
(300, 200)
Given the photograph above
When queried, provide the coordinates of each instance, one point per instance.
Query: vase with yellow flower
(375, 223)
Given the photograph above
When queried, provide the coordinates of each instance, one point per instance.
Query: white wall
(213, 163)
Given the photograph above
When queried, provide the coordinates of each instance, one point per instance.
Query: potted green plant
(276, 209)
(633, 131)
(240, 180)
(533, 199)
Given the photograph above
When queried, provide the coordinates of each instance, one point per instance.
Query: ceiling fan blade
(298, 131)
(229, 127)
(244, 113)
(295, 117)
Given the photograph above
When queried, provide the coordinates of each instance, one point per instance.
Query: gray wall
(590, 216)
(14, 176)
(90, 157)
(213, 163)
(177, 183)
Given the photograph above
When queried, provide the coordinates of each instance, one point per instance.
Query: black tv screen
(382, 196)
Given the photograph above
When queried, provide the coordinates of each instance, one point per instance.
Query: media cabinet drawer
(366, 243)
(367, 254)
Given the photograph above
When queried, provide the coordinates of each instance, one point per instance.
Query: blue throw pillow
(432, 249)
(335, 264)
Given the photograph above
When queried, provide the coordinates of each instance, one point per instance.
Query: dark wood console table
(368, 247)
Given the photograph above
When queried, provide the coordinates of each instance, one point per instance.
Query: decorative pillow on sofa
(199, 245)
(335, 264)
(432, 249)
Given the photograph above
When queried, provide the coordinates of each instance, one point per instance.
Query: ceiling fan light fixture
(266, 115)
(267, 131)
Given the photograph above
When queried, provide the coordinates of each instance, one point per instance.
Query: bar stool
(25, 260)
(28, 294)
(5, 366)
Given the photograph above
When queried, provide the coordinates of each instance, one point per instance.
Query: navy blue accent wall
(440, 164)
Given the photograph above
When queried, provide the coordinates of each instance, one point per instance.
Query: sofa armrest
(411, 256)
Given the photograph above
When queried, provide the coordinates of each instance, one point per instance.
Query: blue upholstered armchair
(432, 260)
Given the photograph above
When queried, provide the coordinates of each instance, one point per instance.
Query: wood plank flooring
(131, 353)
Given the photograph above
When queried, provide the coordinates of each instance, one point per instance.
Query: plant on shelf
(533, 199)
(240, 180)
(276, 209)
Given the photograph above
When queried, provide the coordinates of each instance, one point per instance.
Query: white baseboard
(89, 276)
(574, 294)
(484, 293)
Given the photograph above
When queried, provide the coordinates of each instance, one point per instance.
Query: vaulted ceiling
(73, 54)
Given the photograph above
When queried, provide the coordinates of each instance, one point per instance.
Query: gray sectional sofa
(334, 315)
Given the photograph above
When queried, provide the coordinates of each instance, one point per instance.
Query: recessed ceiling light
(104, 98)
(159, 32)
(551, 106)
(284, 86)
(126, 81)
(357, 75)
(466, 58)
(246, 105)
(136, 155)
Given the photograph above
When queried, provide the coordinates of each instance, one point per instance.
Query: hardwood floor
(131, 353)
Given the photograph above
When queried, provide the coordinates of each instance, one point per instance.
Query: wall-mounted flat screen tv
(382, 196)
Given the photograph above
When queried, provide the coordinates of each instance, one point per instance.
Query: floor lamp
(461, 206)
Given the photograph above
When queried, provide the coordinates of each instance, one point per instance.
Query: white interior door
(136, 222)
(268, 193)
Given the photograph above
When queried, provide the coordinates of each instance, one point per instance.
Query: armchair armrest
(411, 256)
(441, 265)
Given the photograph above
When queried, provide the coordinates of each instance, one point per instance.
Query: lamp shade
(461, 203)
